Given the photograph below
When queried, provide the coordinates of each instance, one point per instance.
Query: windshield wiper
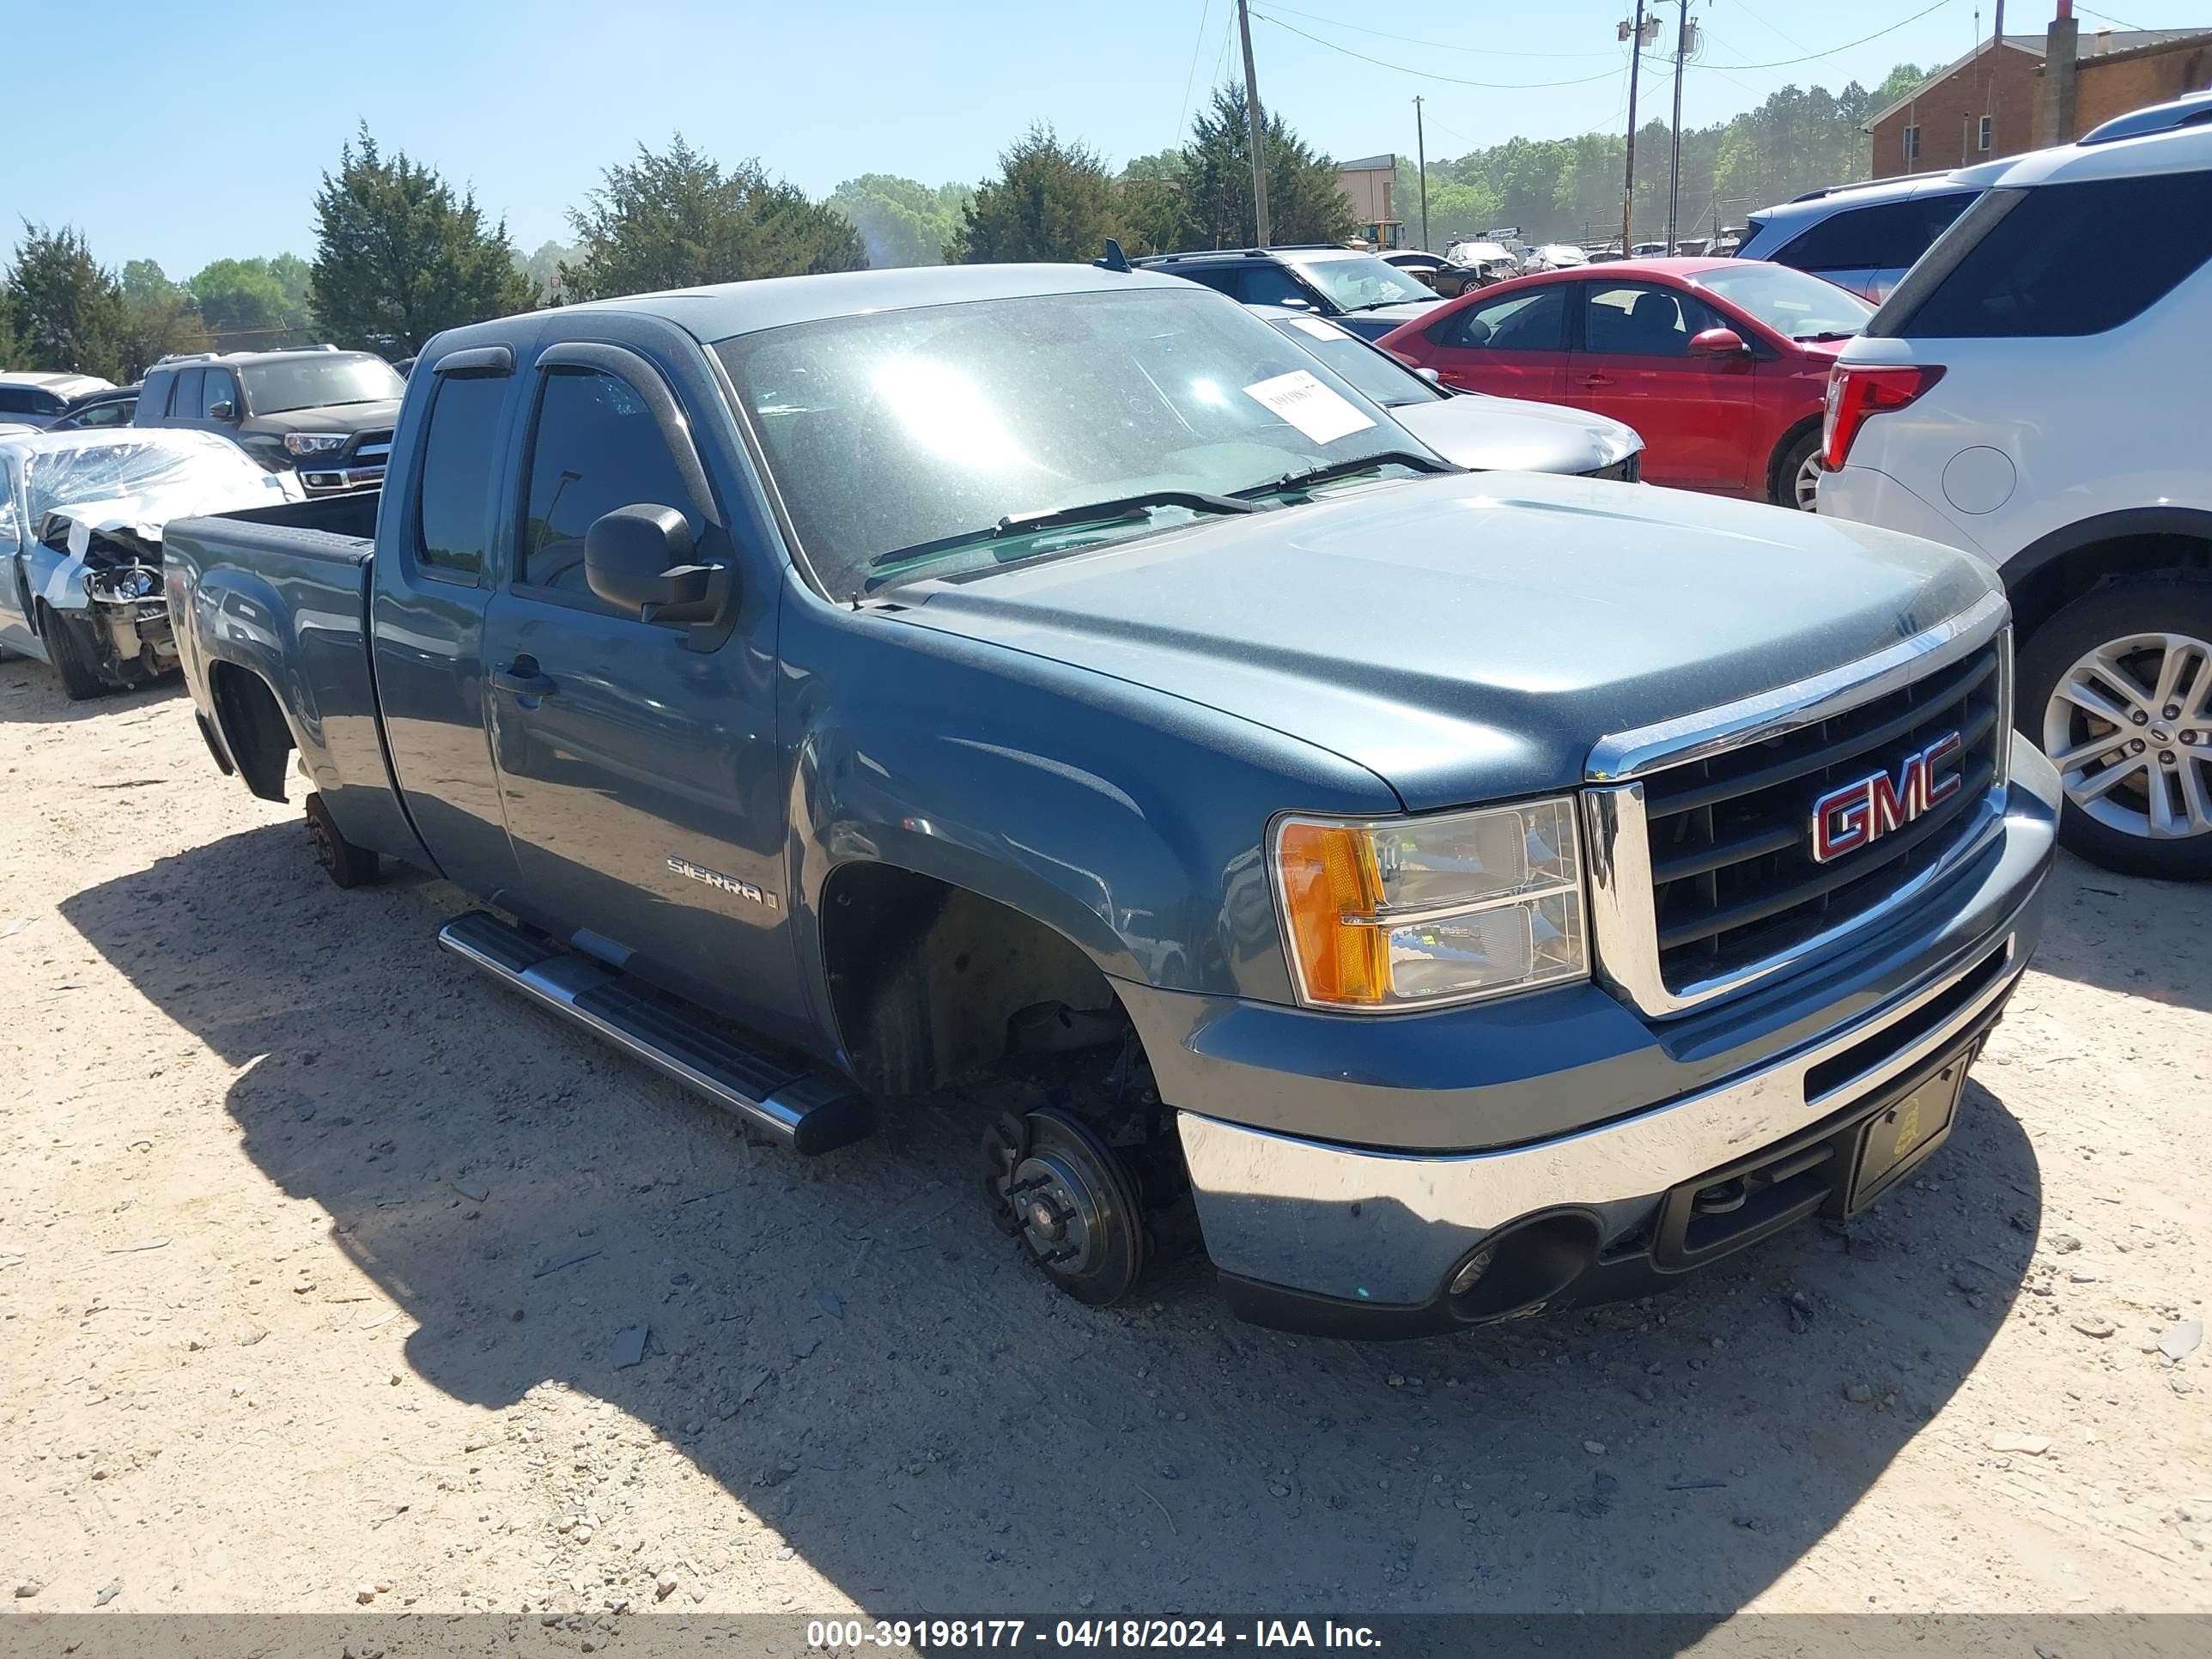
(1321, 475)
(1377, 305)
(1020, 524)
(1829, 334)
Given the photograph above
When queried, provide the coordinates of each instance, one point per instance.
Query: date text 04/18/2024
(941, 1635)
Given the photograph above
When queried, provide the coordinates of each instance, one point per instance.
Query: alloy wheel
(1807, 484)
(2130, 728)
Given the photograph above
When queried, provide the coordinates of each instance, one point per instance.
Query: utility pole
(1252, 118)
(1674, 159)
(1628, 184)
(1421, 155)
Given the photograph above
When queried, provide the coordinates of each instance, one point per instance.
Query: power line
(2109, 18)
(1442, 45)
(1430, 75)
(1183, 121)
(1784, 63)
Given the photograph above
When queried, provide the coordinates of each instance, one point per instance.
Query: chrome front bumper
(1387, 1228)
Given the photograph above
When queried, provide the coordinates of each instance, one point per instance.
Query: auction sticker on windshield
(1303, 401)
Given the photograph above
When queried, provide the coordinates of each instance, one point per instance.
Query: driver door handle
(522, 677)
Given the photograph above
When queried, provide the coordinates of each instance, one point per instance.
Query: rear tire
(344, 862)
(1797, 477)
(79, 682)
(2138, 784)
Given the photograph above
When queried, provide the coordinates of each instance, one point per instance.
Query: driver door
(637, 761)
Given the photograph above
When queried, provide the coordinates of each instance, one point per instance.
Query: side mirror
(639, 560)
(225, 410)
(1718, 343)
(1434, 377)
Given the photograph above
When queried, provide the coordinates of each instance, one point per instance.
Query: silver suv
(1863, 237)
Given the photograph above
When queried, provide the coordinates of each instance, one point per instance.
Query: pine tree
(679, 219)
(1051, 201)
(399, 256)
(65, 312)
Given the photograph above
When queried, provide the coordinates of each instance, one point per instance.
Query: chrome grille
(1702, 875)
(1733, 874)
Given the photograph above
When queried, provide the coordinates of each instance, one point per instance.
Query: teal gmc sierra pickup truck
(1438, 896)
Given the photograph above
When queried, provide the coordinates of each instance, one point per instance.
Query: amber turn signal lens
(1332, 890)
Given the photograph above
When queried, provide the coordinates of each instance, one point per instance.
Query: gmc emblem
(1859, 814)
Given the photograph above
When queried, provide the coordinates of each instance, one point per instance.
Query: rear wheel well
(933, 985)
(253, 726)
(1774, 480)
(2057, 582)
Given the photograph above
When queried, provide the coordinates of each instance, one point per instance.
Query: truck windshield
(317, 382)
(917, 430)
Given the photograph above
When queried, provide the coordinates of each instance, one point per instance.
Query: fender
(1117, 817)
(2104, 527)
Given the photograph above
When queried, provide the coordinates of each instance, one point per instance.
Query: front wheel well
(2054, 583)
(933, 985)
(251, 722)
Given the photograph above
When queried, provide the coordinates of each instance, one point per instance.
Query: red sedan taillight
(1859, 392)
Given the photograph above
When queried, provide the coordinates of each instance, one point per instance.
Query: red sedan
(1722, 364)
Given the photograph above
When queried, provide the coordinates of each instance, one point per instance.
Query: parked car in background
(1433, 270)
(1490, 262)
(325, 415)
(99, 410)
(1367, 295)
(866, 693)
(35, 397)
(2027, 395)
(82, 516)
(1723, 365)
(1647, 251)
(1469, 429)
(1560, 256)
(1863, 237)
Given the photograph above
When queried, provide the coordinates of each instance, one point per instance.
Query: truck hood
(1490, 434)
(1469, 637)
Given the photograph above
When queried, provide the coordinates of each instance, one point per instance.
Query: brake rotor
(1073, 1203)
(1005, 1143)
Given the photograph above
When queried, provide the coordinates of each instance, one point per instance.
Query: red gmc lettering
(1858, 814)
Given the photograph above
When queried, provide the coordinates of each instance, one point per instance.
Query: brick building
(1999, 101)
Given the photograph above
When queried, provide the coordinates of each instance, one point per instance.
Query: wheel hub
(1055, 1183)
(1060, 1213)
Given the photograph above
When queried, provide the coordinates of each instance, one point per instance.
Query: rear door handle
(1594, 381)
(522, 677)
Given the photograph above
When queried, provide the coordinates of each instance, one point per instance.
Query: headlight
(315, 443)
(1411, 913)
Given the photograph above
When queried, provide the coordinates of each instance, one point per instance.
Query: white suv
(2038, 391)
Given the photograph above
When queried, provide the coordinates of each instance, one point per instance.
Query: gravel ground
(325, 1265)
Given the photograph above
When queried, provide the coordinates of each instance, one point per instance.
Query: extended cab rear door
(444, 508)
(637, 760)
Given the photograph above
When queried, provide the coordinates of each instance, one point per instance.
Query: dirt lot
(316, 1255)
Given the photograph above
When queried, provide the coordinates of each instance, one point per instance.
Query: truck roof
(732, 308)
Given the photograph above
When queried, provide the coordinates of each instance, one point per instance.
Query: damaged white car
(80, 521)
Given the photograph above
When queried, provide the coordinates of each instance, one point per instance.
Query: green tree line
(1568, 189)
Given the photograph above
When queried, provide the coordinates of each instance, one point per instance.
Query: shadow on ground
(847, 1347)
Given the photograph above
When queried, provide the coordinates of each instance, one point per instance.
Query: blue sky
(221, 117)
